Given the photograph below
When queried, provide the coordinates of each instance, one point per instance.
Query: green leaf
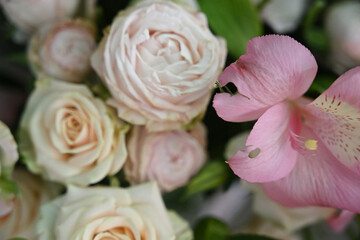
(17, 239)
(236, 20)
(8, 186)
(249, 237)
(321, 83)
(316, 37)
(214, 174)
(211, 229)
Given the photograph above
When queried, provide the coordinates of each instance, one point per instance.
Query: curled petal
(339, 222)
(273, 69)
(318, 179)
(269, 154)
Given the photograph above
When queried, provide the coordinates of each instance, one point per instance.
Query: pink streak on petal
(335, 117)
(236, 108)
(340, 222)
(347, 86)
(318, 179)
(273, 69)
(272, 134)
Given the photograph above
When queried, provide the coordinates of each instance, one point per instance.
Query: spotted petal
(318, 179)
(273, 69)
(335, 118)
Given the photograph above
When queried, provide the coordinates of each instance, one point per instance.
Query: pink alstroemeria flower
(304, 153)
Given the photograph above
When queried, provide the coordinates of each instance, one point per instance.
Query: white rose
(290, 219)
(69, 136)
(283, 15)
(160, 63)
(101, 213)
(28, 15)
(63, 50)
(18, 215)
(342, 23)
(8, 151)
(169, 157)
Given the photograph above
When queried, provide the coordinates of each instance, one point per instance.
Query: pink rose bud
(169, 157)
(28, 15)
(63, 50)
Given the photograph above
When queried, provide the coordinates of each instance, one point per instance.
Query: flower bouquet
(179, 120)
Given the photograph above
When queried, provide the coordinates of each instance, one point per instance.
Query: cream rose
(8, 151)
(283, 15)
(169, 157)
(28, 15)
(19, 214)
(101, 213)
(343, 23)
(160, 62)
(63, 50)
(69, 136)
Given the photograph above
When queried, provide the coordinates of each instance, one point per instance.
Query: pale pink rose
(69, 136)
(100, 213)
(28, 15)
(169, 157)
(63, 50)
(343, 23)
(160, 63)
(8, 151)
(19, 214)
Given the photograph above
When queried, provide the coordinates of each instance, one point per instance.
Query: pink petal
(273, 69)
(272, 136)
(335, 117)
(318, 179)
(339, 223)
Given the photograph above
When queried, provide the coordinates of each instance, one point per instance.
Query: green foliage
(8, 186)
(249, 237)
(214, 229)
(235, 20)
(213, 175)
(321, 83)
(211, 229)
(315, 36)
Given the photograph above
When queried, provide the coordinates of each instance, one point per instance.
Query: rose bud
(63, 50)
(169, 157)
(69, 136)
(18, 215)
(160, 63)
(28, 15)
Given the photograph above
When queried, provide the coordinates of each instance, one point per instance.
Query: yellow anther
(311, 144)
